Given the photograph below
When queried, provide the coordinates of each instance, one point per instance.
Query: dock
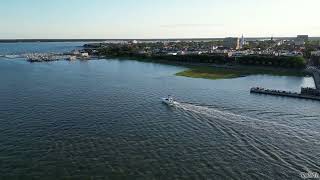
(306, 93)
(43, 57)
(47, 57)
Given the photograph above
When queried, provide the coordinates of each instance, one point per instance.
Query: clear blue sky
(157, 18)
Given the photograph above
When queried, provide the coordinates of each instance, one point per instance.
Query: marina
(47, 57)
(44, 57)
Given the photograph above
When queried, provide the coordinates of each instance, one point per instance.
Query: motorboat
(169, 101)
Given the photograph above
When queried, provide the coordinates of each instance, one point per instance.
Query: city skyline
(128, 19)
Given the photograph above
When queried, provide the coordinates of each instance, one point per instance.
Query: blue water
(104, 119)
(33, 47)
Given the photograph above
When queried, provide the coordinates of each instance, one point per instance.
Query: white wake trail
(265, 125)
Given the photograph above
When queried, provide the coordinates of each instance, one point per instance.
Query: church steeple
(242, 43)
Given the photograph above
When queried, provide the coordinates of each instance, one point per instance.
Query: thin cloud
(191, 25)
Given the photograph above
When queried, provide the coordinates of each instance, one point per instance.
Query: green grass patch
(234, 72)
(197, 73)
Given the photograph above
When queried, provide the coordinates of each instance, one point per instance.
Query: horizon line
(119, 39)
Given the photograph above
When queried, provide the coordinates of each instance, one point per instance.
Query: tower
(242, 42)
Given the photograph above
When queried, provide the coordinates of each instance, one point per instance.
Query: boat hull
(168, 102)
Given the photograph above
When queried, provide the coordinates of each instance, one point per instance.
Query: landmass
(277, 57)
(207, 58)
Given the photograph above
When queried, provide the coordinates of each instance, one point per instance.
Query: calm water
(104, 118)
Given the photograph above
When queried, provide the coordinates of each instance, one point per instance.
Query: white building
(84, 54)
(315, 53)
(172, 53)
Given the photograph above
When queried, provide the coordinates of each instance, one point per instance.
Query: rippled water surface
(104, 118)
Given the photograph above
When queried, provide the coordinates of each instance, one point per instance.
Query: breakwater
(306, 93)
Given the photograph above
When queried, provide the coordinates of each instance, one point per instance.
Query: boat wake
(213, 113)
(11, 56)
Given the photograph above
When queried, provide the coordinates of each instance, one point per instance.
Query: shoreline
(209, 70)
(219, 71)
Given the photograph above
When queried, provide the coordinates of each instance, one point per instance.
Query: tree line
(258, 60)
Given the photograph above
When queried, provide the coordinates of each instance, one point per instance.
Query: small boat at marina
(71, 58)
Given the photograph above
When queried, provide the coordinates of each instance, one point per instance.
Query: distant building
(301, 40)
(133, 42)
(75, 52)
(172, 53)
(280, 42)
(84, 54)
(237, 53)
(315, 53)
(231, 43)
(304, 37)
(242, 42)
(310, 91)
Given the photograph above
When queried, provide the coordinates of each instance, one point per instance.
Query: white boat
(169, 101)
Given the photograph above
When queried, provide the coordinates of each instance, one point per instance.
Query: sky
(135, 19)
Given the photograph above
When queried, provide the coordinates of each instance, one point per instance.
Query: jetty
(306, 93)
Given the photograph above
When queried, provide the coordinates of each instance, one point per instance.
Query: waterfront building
(84, 54)
(315, 53)
(231, 43)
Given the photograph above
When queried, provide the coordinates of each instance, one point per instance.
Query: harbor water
(104, 119)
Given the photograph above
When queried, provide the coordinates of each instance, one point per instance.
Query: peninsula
(218, 58)
(227, 58)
